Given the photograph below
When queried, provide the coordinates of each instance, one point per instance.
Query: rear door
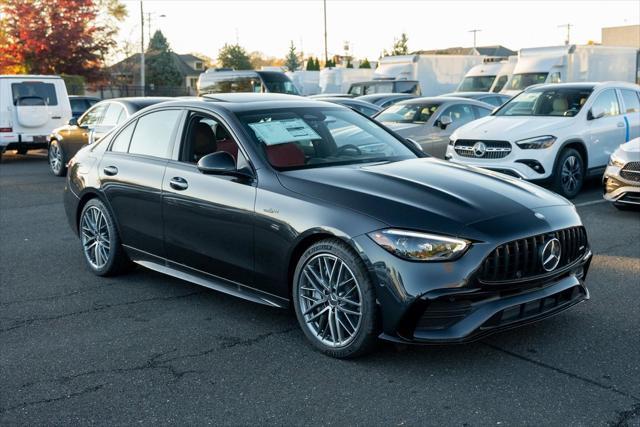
(459, 114)
(607, 131)
(131, 172)
(631, 113)
(40, 106)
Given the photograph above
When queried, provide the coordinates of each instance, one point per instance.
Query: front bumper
(619, 190)
(11, 141)
(446, 302)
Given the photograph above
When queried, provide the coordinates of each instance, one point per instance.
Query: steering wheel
(348, 147)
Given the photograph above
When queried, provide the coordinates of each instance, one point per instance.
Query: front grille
(631, 171)
(520, 260)
(492, 150)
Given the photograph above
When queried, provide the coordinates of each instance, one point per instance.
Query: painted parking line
(592, 202)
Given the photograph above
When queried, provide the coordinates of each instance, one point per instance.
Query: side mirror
(444, 121)
(595, 113)
(73, 121)
(218, 163)
(414, 143)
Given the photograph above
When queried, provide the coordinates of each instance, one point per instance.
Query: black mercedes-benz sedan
(289, 201)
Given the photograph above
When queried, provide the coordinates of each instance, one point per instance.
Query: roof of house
(132, 64)
(497, 50)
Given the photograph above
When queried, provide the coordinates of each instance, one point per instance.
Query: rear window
(31, 90)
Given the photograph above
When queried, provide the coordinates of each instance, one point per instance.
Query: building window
(198, 65)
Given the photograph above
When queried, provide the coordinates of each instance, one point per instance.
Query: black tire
(22, 151)
(116, 260)
(568, 175)
(57, 159)
(363, 336)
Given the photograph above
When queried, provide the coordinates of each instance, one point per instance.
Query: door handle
(110, 170)
(178, 183)
(620, 124)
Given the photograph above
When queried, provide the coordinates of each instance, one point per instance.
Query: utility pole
(326, 55)
(142, 83)
(568, 26)
(475, 32)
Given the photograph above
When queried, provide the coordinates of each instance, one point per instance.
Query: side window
(121, 142)
(93, 116)
(631, 101)
(554, 78)
(112, 114)
(481, 112)
(502, 80)
(205, 135)
(153, 135)
(607, 102)
(355, 90)
(459, 113)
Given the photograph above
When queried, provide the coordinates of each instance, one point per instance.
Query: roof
(473, 94)
(28, 76)
(132, 64)
(443, 99)
(496, 50)
(252, 97)
(372, 97)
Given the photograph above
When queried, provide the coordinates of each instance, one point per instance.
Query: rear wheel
(56, 159)
(334, 300)
(22, 150)
(569, 173)
(101, 245)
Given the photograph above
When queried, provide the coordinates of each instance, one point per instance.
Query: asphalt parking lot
(146, 348)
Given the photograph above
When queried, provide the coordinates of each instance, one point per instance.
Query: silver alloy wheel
(55, 158)
(96, 239)
(330, 300)
(571, 173)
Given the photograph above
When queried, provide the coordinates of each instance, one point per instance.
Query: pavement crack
(100, 307)
(564, 372)
(53, 399)
(623, 418)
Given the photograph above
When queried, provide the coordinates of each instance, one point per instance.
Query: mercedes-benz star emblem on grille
(479, 148)
(551, 252)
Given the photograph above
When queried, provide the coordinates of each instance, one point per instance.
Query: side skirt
(201, 278)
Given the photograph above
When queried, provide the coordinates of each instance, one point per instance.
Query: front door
(606, 128)
(208, 219)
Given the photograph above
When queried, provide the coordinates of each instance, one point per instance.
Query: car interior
(205, 135)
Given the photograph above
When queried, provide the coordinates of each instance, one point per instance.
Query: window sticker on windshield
(282, 131)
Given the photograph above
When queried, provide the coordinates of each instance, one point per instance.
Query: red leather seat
(228, 146)
(285, 155)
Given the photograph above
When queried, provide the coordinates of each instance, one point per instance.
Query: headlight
(616, 161)
(538, 142)
(416, 246)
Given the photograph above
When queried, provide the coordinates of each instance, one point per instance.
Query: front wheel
(569, 173)
(334, 300)
(56, 159)
(101, 245)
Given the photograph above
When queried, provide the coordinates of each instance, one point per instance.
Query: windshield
(523, 81)
(408, 113)
(226, 84)
(298, 138)
(564, 102)
(476, 84)
(281, 86)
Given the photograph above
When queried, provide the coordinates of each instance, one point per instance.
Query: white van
(31, 106)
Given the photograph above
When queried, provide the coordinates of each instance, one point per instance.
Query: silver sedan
(430, 121)
(621, 179)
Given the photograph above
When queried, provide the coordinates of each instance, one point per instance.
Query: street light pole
(568, 40)
(142, 83)
(326, 55)
(474, 37)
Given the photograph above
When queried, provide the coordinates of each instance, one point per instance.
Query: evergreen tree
(310, 64)
(291, 61)
(365, 64)
(400, 46)
(161, 66)
(349, 64)
(234, 56)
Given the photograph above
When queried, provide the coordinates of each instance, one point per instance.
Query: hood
(401, 128)
(514, 127)
(423, 194)
(632, 146)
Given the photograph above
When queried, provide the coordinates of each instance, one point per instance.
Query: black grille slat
(631, 171)
(520, 259)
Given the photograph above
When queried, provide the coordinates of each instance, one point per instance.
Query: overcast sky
(371, 25)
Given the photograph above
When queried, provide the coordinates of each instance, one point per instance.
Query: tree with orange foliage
(57, 36)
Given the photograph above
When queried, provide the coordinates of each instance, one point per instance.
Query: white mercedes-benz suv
(555, 133)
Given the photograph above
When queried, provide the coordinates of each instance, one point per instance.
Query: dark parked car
(366, 108)
(80, 104)
(65, 141)
(384, 100)
(288, 201)
(495, 99)
(384, 86)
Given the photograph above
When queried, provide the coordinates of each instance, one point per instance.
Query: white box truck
(436, 74)
(339, 79)
(31, 106)
(574, 63)
(490, 76)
